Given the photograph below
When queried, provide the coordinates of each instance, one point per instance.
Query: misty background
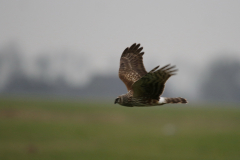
(72, 48)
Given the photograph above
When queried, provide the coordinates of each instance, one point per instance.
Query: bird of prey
(144, 88)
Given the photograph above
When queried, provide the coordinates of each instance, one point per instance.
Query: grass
(34, 129)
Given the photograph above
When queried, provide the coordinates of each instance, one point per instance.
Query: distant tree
(222, 83)
(43, 65)
(11, 67)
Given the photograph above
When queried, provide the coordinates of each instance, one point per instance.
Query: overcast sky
(188, 33)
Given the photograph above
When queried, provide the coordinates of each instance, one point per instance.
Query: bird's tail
(164, 100)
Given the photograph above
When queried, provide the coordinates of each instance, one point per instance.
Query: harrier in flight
(144, 88)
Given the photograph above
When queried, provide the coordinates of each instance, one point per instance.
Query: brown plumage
(144, 88)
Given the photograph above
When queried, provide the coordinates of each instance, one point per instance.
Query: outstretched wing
(131, 65)
(152, 84)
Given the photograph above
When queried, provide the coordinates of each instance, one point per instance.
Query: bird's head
(118, 100)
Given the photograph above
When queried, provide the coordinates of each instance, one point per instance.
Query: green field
(68, 130)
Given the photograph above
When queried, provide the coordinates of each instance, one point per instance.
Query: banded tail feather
(172, 100)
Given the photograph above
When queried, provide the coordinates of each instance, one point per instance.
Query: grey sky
(186, 33)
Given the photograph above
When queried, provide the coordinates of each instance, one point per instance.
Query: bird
(144, 88)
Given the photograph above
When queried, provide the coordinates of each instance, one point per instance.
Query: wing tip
(154, 69)
(135, 48)
(171, 70)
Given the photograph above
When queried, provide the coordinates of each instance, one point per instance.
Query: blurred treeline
(47, 75)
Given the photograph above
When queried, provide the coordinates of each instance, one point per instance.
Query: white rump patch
(162, 100)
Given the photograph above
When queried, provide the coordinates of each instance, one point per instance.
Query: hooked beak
(115, 101)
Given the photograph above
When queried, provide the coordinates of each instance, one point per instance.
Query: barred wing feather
(131, 65)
